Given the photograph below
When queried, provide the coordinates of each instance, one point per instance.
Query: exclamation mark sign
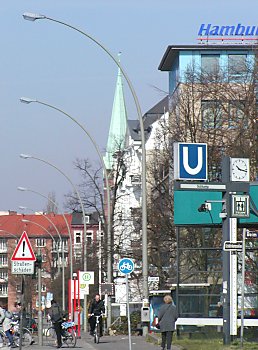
(23, 248)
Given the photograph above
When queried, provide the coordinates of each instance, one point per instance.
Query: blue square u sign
(190, 161)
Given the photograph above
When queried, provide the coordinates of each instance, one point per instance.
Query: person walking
(56, 316)
(167, 317)
(96, 308)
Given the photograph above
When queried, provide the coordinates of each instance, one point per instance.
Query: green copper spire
(118, 124)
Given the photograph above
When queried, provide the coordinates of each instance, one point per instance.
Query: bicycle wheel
(50, 337)
(26, 337)
(96, 334)
(70, 338)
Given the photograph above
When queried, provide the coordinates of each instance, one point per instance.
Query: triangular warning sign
(23, 251)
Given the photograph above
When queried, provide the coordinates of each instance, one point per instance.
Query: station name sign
(234, 30)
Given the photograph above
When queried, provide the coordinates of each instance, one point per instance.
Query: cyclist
(96, 308)
(56, 316)
(6, 321)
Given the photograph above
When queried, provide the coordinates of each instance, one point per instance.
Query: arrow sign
(23, 251)
(228, 246)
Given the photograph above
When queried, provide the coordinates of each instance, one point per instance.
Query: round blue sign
(126, 266)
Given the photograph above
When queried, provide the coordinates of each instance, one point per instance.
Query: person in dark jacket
(56, 316)
(167, 321)
(96, 309)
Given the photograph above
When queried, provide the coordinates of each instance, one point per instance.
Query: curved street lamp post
(24, 189)
(26, 156)
(33, 17)
(57, 247)
(40, 320)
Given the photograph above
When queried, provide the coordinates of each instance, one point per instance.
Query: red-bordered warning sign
(23, 251)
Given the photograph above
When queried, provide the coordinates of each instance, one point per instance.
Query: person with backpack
(56, 316)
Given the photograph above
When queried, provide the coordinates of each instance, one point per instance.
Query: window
(3, 275)
(3, 245)
(43, 288)
(3, 260)
(3, 289)
(87, 219)
(237, 115)
(89, 237)
(40, 242)
(211, 114)
(78, 237)
(236, 66)
(209, 63)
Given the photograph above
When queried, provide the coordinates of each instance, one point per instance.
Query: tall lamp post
(27, 100)
(24, 189)
(33, 17)
(26, 156)
(40, 320)
(57, 247)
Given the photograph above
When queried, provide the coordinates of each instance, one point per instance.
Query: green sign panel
(186, 204)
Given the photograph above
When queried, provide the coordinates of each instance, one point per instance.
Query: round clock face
(240, 169)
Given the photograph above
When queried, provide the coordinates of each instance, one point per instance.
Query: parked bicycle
(69, 336)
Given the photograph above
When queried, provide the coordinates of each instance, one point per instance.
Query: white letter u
(189, 170)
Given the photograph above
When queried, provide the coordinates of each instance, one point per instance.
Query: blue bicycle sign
(126, 266)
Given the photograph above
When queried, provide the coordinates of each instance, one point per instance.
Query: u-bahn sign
(190, 161)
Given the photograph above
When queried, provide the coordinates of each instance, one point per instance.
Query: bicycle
(26, 336)
(96, 332)
(69, 336)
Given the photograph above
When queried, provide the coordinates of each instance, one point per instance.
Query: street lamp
(28, 100)
(33, 17)
(67, 225)
(58, 257)
(40, 320)
(27, 156)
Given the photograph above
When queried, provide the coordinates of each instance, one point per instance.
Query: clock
(239, 169)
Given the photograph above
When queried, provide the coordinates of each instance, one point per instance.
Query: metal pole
(63, 276)
(40, 323)
(143, 160)
(128, 313)
(22, 309)
(243, 289)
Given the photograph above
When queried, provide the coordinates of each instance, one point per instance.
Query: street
(108, 343)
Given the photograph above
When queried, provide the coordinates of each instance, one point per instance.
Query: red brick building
(44, 232)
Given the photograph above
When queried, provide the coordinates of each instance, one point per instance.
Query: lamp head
(32, 16)
(24, 220)
(25, 156)
(22, 188)
(27, 100)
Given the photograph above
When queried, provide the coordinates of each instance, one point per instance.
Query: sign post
(126, 266)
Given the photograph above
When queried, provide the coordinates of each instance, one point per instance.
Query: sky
(49, 62)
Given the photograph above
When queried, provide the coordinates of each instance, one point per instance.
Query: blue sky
(49, 62)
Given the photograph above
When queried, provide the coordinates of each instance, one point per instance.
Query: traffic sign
(107, 289)
(251, 234)
(23, 251)
(232, 246)
(86, 277)
(126, 266)
(22, 267)
(240, 206)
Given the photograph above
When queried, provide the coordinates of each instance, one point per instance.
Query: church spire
(118, 124)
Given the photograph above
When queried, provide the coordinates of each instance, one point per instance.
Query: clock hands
(241, 169)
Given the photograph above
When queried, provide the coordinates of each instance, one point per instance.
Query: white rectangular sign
(22, 267)
(86, 277)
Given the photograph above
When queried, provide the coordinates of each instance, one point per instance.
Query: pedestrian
(6, 322)
(56, 316)
(167, 318)
(97, 308)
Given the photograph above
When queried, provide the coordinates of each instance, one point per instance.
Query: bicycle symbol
(126, 266)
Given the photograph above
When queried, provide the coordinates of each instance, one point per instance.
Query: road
(106, 343)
